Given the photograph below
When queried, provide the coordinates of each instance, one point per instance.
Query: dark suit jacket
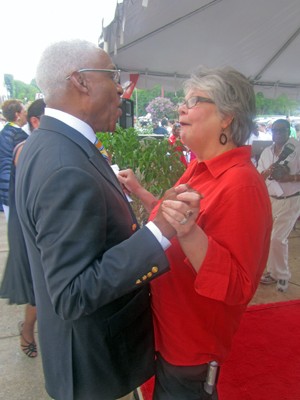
(87, 261)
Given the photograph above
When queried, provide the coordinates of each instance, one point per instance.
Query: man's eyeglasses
(116, 73)
(192, 101)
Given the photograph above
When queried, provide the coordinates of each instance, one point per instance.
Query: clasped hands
(180, 207)
(178, 210)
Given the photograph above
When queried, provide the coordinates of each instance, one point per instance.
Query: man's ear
(79, 81)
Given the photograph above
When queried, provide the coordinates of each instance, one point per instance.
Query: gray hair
(58, 61)
(233, 95)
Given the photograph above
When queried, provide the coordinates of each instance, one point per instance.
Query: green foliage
(281, 105)
(142, 98)
(20, 90)
(25, 92)
(175, 97)
(9, 83)
(154, 161)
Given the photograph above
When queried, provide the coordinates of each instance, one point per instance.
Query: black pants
(180, 383)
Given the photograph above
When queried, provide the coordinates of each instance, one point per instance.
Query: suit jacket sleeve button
(154, 270)
(138, 282)
(144, 277)
(149, 274)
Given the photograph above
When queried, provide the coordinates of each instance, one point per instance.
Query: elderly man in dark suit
(90, 263)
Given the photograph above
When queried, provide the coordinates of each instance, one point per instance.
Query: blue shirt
(10, 136)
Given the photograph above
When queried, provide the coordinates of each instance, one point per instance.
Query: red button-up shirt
(197, 314)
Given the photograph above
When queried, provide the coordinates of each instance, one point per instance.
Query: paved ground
(268, 294)
(22, 378)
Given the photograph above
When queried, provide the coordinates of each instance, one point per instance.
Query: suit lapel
(93, 154)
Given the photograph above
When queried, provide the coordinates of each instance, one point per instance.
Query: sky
(29, 26)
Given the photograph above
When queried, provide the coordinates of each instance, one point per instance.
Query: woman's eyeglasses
(192, 101)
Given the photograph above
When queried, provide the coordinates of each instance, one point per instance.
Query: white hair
(58, 61)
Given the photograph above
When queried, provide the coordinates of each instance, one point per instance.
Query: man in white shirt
(279, 164)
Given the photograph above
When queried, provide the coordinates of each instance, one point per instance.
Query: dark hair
(36, 109)
(10, 108)
(164, 122)
(284, 122)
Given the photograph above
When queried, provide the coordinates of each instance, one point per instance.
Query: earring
(223, 138)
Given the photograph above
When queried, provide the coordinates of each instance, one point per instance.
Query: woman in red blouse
(218, 256)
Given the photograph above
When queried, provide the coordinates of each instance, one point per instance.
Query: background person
(17, 285)
(159, 130)
(293, 132)
(283, 183)
(297, 129)
(90, 263)
(218, 258)
(263, 133)
(174, 140)
(2, 121)
(12, 134)
(175, 135)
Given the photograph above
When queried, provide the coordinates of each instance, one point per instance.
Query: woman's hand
(181, 214)
(182, 210)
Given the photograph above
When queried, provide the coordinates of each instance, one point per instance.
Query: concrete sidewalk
(21, 378)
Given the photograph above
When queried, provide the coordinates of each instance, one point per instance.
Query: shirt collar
(73, 122)
(223, 162)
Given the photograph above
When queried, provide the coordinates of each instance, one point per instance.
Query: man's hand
(180, 206)
(182, 212)
(129, 181)
(267, 172)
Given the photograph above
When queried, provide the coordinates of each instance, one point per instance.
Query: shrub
(155, 162)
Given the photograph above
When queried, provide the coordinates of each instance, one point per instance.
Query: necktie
(102, 150)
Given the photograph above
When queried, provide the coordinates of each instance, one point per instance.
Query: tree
(20, 90)
(142, 98)
(160, 107)
(9, 83)
(25, 92)
(281, 105)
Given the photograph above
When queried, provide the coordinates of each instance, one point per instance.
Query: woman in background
(17, 284)
(12, 134)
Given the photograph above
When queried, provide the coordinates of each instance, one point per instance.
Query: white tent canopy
(164, 40)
